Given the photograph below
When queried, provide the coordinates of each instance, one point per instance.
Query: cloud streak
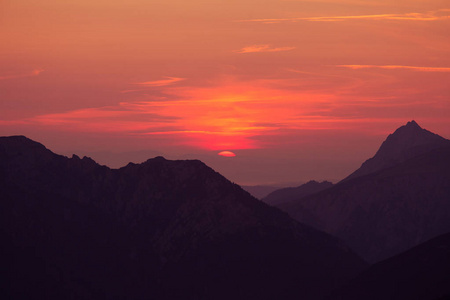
(162, 82)
(263, 48)
(33, 73)
(442, 14)
(394, 67)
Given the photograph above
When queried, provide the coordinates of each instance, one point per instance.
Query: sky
(264, 92)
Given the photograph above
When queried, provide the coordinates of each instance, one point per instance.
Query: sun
(227, 154)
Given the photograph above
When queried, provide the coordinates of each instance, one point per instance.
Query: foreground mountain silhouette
(158, 230)
(421, 273)
(389, 211)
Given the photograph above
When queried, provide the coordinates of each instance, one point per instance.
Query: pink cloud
(393, 67)
(441, 14)
(35, 72)
(162, 82)
(263, 48)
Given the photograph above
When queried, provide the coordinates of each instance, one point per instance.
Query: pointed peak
(413, 124)
(408, 130)
(406, 142)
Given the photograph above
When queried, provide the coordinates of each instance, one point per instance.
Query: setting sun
(227, 154)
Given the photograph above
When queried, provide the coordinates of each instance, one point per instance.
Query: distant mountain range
(260, 191)
(396, 200)
(288, 194)
(73, 229)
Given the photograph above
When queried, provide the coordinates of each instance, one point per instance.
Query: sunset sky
(293, 90)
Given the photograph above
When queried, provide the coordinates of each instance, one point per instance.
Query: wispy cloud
(35, 72)
(393, 67)
(162, 82)
(231, 115)
(263, 48)
(124, 117)
(442, 14)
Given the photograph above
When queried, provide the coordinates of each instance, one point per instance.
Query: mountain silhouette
(293, 193)
(406, 142)
(260, 191)
(421, 273)
(158, 230)
(386, 212)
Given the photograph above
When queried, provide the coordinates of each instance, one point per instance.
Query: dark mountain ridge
(388, 211)
(161, 229)
(421, 273)
(406, 142)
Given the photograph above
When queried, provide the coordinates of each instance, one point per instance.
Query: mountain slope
(421, 273)
(386, 212)
(293, 193)
(161, 229)
(406, 142)
(259, 191)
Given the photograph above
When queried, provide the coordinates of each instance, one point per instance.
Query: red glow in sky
(227, 154)
(303, 89)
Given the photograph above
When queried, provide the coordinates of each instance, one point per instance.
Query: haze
(297, 90)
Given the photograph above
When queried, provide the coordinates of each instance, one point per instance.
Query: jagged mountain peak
(408, 136)
(413, 123)
(406, 142)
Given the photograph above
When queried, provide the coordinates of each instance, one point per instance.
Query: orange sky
(298, 90)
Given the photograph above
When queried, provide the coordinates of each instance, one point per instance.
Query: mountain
(421, 273)
(406, 142)
(386, 212)
(293, 193)
(73, 229)
(259, 191)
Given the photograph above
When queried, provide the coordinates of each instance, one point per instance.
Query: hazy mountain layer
(293, 193)
(259, 191)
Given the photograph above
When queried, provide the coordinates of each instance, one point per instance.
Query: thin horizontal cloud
(35, 72)
(162, 82)
(393, 67)
(442, 14)
(125, 117)
(132, 91)
(263, 48)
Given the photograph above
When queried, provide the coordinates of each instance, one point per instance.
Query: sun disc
(227, 154)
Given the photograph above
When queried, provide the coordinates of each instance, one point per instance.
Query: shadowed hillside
(161, 229)
(388, 211)
(421, 273)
